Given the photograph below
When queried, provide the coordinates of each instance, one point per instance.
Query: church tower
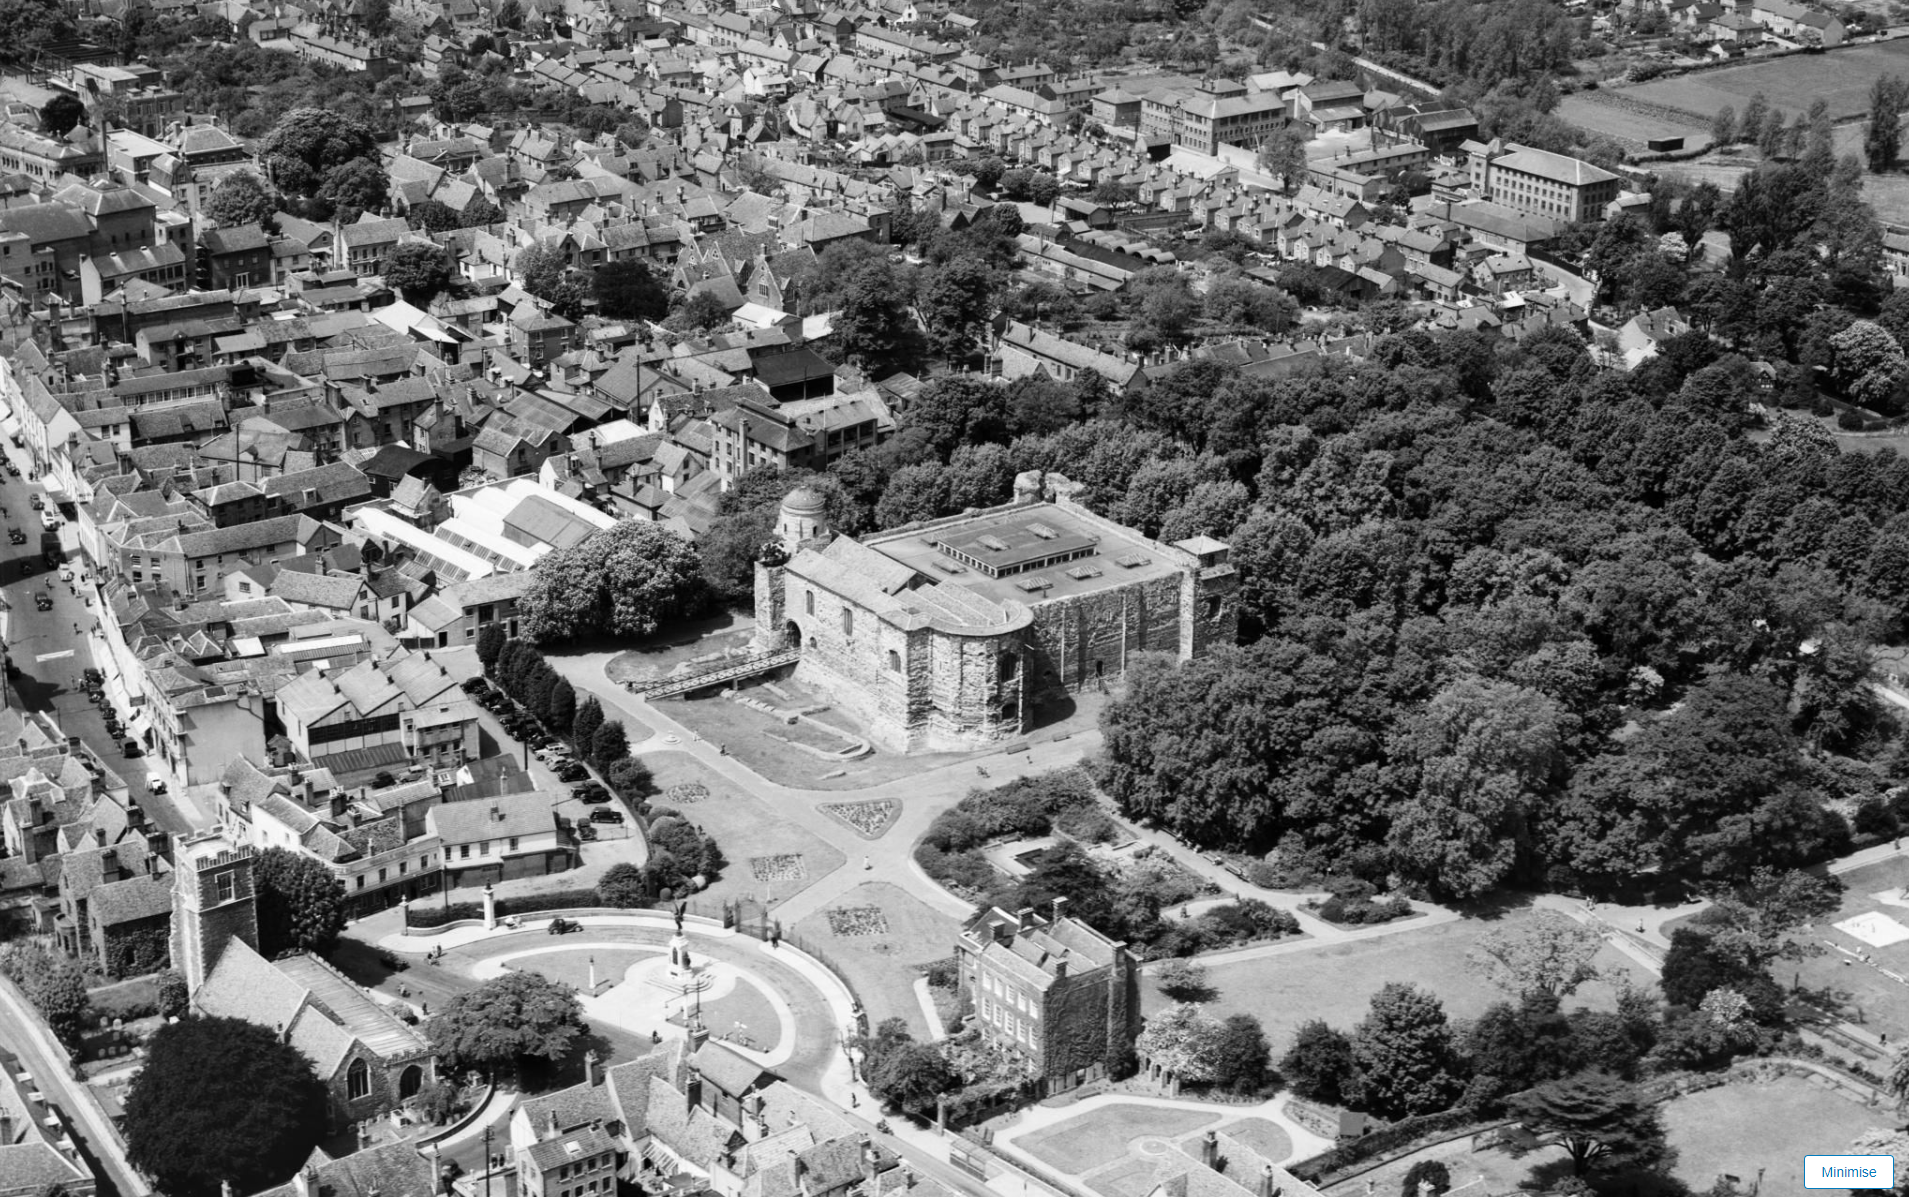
(212, 903)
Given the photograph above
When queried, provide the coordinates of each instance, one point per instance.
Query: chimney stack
(692, 1090)
(593, 1067)
(1268, 1187)
(1210, 1150)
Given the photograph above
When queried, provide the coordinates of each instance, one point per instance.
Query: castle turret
(803, 517)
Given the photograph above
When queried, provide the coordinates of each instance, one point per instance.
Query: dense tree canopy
(624, 580)
(222, 1100)
(300, 903)
(518, 1019)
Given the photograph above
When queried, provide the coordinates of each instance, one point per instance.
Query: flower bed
(783, 866)
(857, 920)
(870, 820)
(680, 795)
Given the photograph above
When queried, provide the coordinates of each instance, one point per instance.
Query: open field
(1842, 77)
(1603, 112)
(1336, 982)
(1748, 1129)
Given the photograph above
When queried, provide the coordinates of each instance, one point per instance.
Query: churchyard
(768, 858)
(1335, 982)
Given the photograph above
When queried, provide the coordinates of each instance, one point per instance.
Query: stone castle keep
(950, 634)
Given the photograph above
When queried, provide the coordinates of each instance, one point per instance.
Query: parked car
(43, 602)
(572, 771)
(585, 832)
(596, 816)
(16, 535)
(563, 926)
(131, 749)
(36, 503)
(590, 793)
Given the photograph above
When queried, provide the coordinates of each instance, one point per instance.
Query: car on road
(563, 926)
(50, 519)
(131, 749)
(43, 602)
(16, 535)
(606, 816)
(590, 792)
(155, 786)
(36, 503)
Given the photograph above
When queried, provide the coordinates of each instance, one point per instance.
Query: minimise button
(1849, 1171)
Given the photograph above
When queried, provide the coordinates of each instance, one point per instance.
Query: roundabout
(771, 1004)
(737, 1007)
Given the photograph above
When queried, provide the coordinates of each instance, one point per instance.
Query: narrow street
(23, 1034)
(51, 656)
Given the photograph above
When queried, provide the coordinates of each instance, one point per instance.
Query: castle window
(808, 602)
(357, 1081)
(894, 661)
(228, 887)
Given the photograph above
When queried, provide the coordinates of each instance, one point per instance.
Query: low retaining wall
(463, 1120)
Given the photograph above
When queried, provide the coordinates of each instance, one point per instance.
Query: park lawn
(882, 967)
(1745, 1129)
(1099, 1137)
(748, 831)
(743, 1015)
(573, 968)
(1475, 1173)
(760, 741)
(1866, 996)
(1266, 1137)
(1336, 982)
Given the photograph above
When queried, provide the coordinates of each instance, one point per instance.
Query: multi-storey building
(1054, 992)
(1539, 182)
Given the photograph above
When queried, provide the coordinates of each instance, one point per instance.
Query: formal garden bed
(857, 920)
(870, 820)
(782, 866)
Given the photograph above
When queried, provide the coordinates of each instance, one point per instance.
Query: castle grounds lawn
(1267, 1138)
(1771, 1126)
(747, 830)
(1336, 981)
(1099, 1137)
(882, 967)
(1862, 993)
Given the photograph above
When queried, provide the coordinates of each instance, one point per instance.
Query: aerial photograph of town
(954, 598)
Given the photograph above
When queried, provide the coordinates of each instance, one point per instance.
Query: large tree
(624, 580)
(1486, 752)
(955, 301)
(1183, 1040)
(356, 187)
(1241, 1056)
(241, 198)
(1600, 1120)
(630, 290)
(222, 1100)
(1548, 954)
(61, 113)
(507, 1023)
(54, 984)
(300, 904)
(912, 1076)
(1319, 1065)
(1882, 141)
(418, 269)
(1404, 1055)
(308, 145)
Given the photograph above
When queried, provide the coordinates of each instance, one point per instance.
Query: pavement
(26, 1036)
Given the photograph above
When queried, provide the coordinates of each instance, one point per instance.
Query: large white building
(1539, 182)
